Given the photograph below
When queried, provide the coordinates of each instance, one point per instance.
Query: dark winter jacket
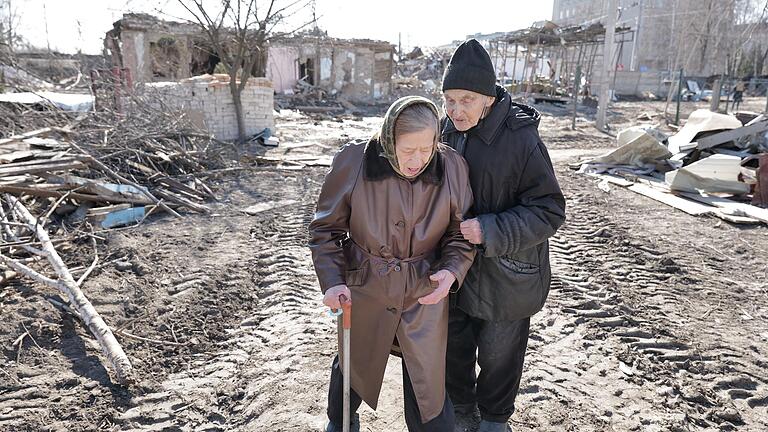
(519, 205)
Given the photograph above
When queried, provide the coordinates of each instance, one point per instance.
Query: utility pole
(608, 65)
(576, 85)
(636, 43)
(679, 96)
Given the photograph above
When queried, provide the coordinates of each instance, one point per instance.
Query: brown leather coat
(383, 236)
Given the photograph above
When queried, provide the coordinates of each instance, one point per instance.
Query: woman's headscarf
(386, 136)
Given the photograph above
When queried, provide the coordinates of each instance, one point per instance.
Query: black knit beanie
(470, 68)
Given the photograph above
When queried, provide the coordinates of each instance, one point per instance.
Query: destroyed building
(166, 56)
(357, 69)
(156, 50)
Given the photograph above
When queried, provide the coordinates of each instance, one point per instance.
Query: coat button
(392, 310)
(397, 268)
(400, 224)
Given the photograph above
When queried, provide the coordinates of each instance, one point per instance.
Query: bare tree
(750, 47)
(9, 20)
(238, 32)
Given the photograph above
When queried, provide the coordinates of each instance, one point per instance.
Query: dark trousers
(442, 423)
(499, 349)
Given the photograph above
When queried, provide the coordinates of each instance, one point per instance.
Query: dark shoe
(467, 417)
(487, 426)
(466, 423)
(465, 409)
(354, 427)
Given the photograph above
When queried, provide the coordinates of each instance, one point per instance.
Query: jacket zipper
(462, 147)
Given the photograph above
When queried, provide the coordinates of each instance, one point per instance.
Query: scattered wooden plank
(18, 155)
(143, 168)
(15, 180)
(731, 134)
(122, 179)
(619, 181)
(170, 196)
(101, 211)
(14, 189)
(732, 207)
(690, 207)
(37, 166)
(14, 147)
(116, 191)
(264, 206)
(180, 187)
(25, 135)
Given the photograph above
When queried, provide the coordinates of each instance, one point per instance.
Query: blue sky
(81, 24)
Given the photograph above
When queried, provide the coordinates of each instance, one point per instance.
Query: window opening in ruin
(166, 58)
(204, 61)
(307, 71)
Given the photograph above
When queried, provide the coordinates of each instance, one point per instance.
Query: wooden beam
(25, 135)
(732, 207)
(688, 206)
(116, 198)
(34, 167)
(731, 134)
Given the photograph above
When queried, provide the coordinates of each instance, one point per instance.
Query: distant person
(518, 206)
(387, 228)
(738, 95)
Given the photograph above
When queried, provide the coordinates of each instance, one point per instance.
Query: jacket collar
(377, 167)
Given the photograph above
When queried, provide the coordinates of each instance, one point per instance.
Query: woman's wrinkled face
(465, 108)
(414, 150)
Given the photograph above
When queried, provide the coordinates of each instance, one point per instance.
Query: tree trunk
(260, 65)
(235, 90)
(77, 300)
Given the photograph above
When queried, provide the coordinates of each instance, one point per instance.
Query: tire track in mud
(261, 372)
(612, 346)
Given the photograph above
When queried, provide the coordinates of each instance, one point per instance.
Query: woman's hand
(331, 298)
(444, 280)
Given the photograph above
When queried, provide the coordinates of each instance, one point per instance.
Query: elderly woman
(386, 235)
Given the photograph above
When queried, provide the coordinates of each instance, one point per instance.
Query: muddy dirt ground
(657, 321)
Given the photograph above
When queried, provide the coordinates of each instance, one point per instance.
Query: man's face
(465, 108)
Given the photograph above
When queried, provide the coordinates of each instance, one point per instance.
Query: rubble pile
(420, 73)
(104, 168)
(716, 164)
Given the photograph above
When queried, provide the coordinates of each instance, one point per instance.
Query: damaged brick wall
(208, 102)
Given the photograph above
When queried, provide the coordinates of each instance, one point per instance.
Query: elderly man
(518, 206)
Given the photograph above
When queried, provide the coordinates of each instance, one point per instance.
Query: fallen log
(67, 284)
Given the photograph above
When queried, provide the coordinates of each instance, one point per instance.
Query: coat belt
(386, 265)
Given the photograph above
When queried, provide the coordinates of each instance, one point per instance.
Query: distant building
(157, 50)
(666, 34)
